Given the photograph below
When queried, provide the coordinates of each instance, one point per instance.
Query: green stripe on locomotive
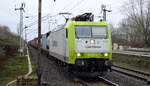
(72, 42)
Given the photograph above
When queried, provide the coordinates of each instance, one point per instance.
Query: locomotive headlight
(105, 54)
(78, 54)
(92, 41)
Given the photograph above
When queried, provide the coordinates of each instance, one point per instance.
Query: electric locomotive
(85, 46)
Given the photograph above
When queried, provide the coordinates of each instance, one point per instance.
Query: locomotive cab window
(83, 31)
(99, 32)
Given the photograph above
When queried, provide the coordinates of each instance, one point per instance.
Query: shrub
(8, 44)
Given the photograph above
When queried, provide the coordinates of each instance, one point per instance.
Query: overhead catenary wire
(76, 5)
(32, 32)
(44, 18)
(64, 8)
(35, 22)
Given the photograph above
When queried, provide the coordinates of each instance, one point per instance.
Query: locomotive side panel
(58, 44)
(43, 42)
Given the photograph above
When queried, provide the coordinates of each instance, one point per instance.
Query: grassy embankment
(138, 63)
(14, 67)
(11, 64)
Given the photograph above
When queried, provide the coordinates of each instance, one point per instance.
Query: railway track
(128, 54)
(139, 50)
(133, 73)
(101, 82)
(83, 82)
(77, 80)
(110, 83)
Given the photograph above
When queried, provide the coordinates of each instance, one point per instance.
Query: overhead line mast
(39, 42)
(104, 12)
(21, 9)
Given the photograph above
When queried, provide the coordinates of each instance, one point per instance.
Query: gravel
(53, 74)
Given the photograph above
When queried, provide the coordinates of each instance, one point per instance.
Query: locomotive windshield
(99, 32)
(83, 31)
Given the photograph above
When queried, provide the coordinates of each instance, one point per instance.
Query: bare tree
(136, 26)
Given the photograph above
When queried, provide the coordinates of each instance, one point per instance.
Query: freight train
(85, 46)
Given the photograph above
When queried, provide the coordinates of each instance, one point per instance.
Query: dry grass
(139, 63)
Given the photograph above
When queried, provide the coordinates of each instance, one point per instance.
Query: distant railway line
(133, 73)
(129, 54)
(139, 50)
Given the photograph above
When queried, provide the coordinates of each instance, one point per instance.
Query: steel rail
(81, 82)
(133, 73)
(140, 72)
(127, 54)
(138, 50)
(108, 81)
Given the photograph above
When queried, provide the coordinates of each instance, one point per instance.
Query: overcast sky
(10, 17)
